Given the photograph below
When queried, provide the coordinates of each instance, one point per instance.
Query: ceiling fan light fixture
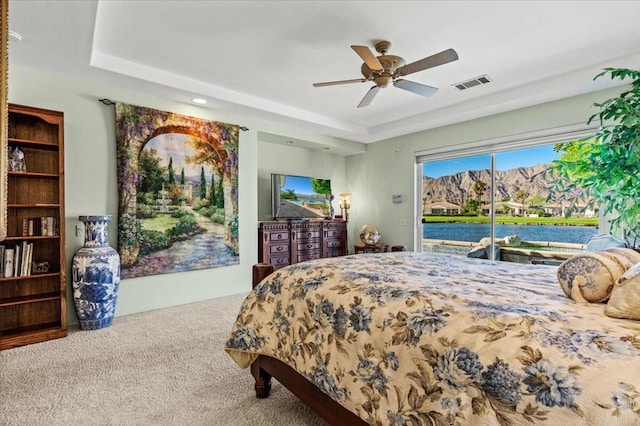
(382, 80)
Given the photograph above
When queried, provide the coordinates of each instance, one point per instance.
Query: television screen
(300, 197)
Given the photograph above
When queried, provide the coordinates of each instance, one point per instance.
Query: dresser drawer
(308, 245)
(279, 261)
(334, 253)
(309, 256)
(274, 249)
(278, 236)
(304, 234)
(333, 233)
(330, 244)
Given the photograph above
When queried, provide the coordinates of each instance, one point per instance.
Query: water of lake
(477, 231)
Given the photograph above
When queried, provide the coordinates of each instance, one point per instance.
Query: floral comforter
(420, 339)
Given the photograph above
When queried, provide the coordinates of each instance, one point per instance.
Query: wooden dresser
(284, 243)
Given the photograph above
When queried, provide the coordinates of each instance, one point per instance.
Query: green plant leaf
(607, 165)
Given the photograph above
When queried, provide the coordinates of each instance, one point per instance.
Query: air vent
(464, 85)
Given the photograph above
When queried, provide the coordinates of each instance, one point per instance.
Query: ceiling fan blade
(417, 88)
(441, 58)
(369, 96)
(368, 57)
(334, 83)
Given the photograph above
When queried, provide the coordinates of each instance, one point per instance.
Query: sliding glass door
(501, 204)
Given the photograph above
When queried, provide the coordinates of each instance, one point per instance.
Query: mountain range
(458, 188)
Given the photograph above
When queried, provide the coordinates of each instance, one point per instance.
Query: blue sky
(504, 161)
(299, 184)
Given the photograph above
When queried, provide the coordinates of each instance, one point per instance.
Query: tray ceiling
(260, 58)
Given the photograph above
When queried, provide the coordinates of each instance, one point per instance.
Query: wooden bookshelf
(33, 305)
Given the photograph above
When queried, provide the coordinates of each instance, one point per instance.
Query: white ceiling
(260, 58)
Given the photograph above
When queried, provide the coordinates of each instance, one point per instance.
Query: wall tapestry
(178, 192)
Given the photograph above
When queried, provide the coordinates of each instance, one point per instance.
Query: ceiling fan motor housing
(390, 63)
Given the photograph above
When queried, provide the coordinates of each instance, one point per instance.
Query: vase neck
(96, 231)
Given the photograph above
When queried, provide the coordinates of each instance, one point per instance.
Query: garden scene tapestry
(178, 192)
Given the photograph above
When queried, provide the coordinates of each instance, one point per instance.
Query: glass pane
(528, 208)
(455, 196)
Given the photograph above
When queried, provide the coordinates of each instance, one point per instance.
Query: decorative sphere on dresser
(96, 275)
(369, 235)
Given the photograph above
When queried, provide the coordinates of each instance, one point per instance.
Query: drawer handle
(278, 261)
(309, 234)
(279, 248)
(309, 245)
(279, 236)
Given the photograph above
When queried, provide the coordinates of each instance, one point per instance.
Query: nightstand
(366, 248)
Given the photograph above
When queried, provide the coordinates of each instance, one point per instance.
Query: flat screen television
(300, 197)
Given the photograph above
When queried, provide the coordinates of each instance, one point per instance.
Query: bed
(407, 338)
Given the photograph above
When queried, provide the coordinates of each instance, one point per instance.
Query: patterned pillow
(626, 257)
(625, 296)
(589, 277)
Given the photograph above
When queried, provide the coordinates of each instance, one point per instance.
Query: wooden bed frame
(265, 367)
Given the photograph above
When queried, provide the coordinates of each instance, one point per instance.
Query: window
(498, 203)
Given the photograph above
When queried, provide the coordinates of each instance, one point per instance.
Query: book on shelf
(8, 262)
(25, 259)
(2, 248)
(16, 261)
(44, 226)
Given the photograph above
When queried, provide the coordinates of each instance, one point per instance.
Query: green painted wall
(373, 176)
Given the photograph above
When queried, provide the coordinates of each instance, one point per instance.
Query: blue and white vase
(96, 275)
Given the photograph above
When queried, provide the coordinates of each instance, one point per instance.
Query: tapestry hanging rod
(110, 102)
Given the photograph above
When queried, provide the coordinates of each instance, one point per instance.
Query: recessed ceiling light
(199, 101)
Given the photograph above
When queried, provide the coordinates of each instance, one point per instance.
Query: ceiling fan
(385, 69)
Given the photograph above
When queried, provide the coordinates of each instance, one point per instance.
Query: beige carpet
(165, 367)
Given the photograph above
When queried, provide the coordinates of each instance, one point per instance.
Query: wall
(388, 167)
(90, 181)
(277, 158)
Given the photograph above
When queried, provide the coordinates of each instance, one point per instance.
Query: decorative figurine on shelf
(369, 235)
(40, 267)
(15, 160)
